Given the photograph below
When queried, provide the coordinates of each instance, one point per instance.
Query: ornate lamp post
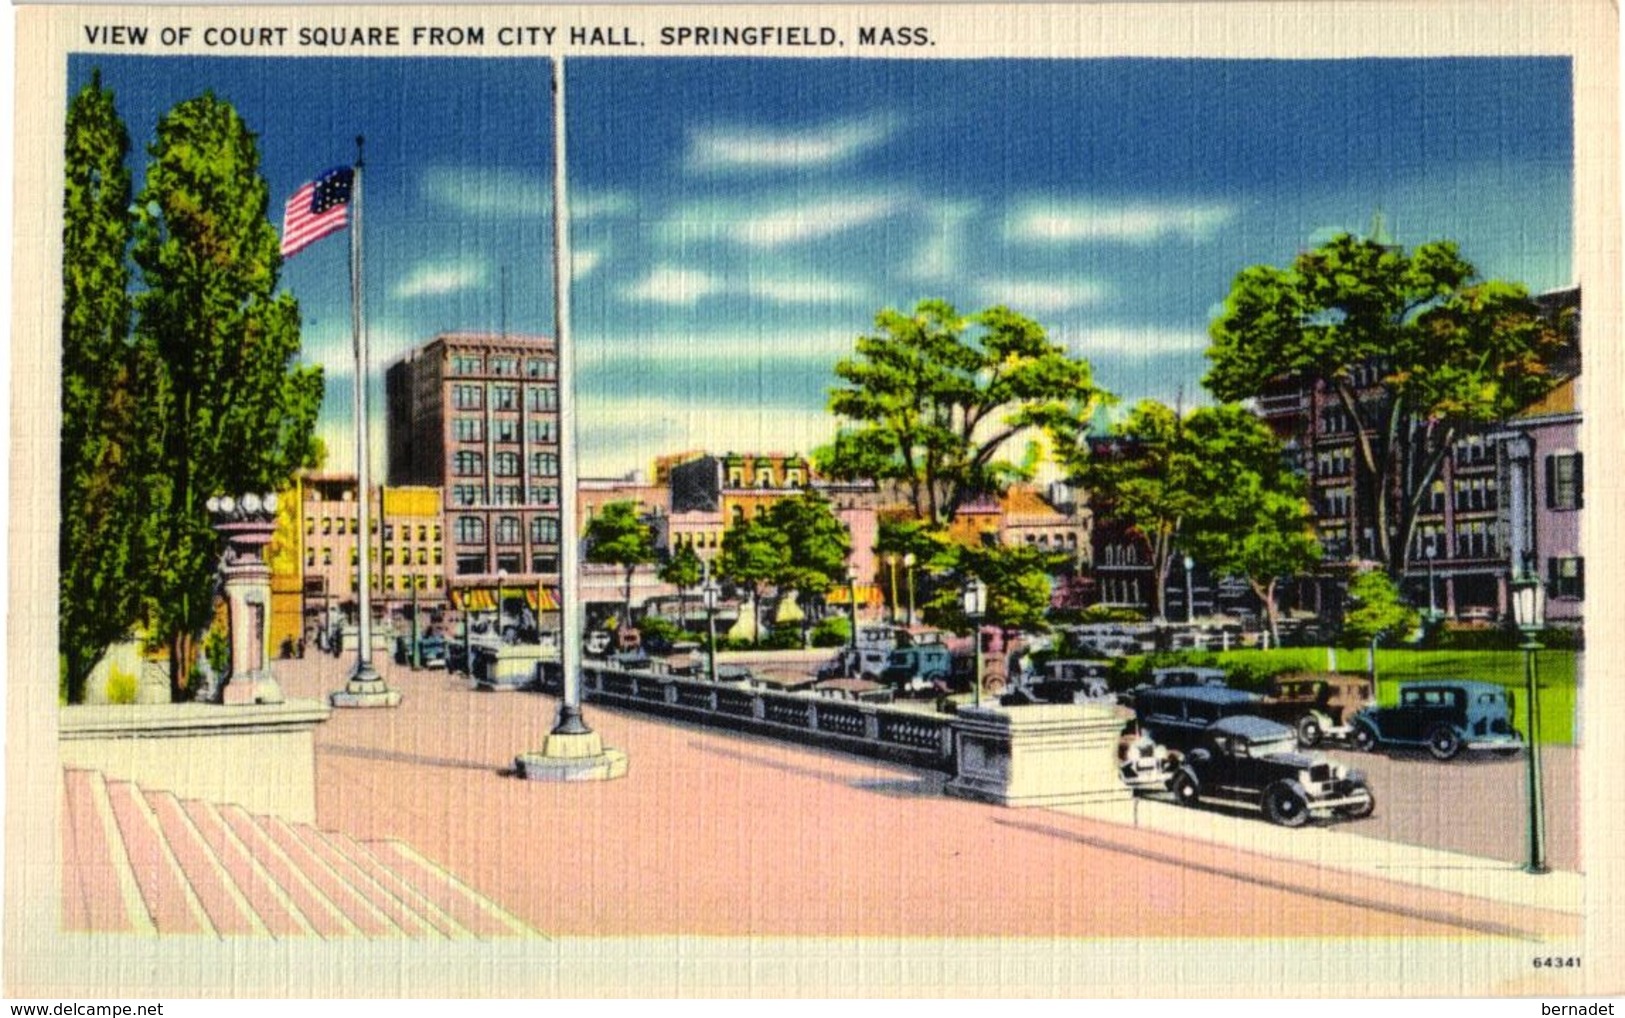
(1529, 610)
(502, 580)
(852, 607)
(908, 567)
(247, 524)
(1430, 551)
(891, 561)
(708, 593)
(975, 609)
(1190, 590)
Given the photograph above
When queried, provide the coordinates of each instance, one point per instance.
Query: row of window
(1120, 555)
(538, 398)
(341, 525)
(541, 430)
(793, 478)
(477, 564)
(463, 495)
(467, 463)
(422, 556)
(503, 364)
(508, 530)
(1120, 591)
(1067, 539)
(706, 540)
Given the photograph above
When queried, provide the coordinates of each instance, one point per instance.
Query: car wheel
(1360, 810)
(1365, 740)
(1285, 804)
(1186, 789)
(1444, 743)
(1309, 731)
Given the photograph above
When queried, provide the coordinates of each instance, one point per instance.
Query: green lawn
(1555, 671)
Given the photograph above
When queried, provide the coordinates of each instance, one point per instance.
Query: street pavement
(723, 834)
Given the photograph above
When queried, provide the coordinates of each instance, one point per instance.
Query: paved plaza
(718, 833)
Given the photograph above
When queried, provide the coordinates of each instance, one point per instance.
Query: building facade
(477, 416)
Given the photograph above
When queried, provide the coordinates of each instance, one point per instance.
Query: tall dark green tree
(1376, 613)
(616, 536)
(931, 400)
(682, 570)
(228, 408)
(97, 594)
(1017, 582)
(1412, 346)
(754, 555)
(817, 546)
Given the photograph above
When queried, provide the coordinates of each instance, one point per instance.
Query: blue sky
(736, 223)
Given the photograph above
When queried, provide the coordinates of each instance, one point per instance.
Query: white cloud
(939, 258)
(432, 279)
(668, 353)
(582, 262)
(1041, 296)
(1079, 222)
(794, 224)
(670, 285)
(1146, 340)
(725, 149)
(598, 204)
(480, 191)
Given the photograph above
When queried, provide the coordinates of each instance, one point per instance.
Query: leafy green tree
(226, 407)
(754, 555)
(682, 570)
(1251, 518)
(817, 546)
(1377, 614)
(616, 536)
(931, 399)
(1452, 351)
(1017, 581)
(98, 598)
(1150, 475)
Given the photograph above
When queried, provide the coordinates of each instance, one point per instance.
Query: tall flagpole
(366, 687)
(573, 751)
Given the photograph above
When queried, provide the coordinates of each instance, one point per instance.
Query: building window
(537, 367)
(463, 494)
(544, 464)
(468, 464)
(1473, 450)
(544, 494)
(439, 556)
(467, 397)
(470, 564)
(544, 429)
(505, 397)
(505, 464)
(504, 365)
(507, 494)
(544, 530)
(327, 556)
(1566, 578)
(1476, 540)
(1565, 483)
(506, 430)
(508, 530)
(468, 429)
(541, 397)
(540, 563)
(310, 524)
(1336, 501)
(463, 364)
(470, 530)
(423, 532)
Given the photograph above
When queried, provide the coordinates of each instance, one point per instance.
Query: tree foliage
(1251, 519)
(617, 536)
(753, 556)
(817, 546)
(1377, 613)
(1017, 582)
(683, 570)
(930, 400)
(99, 514)
(226, 407)
(1452, 351)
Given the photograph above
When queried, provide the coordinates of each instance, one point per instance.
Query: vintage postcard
(1043, 500)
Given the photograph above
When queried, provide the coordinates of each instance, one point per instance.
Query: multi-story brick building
(477, 416)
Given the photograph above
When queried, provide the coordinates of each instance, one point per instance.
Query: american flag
(317, 209)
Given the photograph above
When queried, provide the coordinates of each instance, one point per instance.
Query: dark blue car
(1444, 716)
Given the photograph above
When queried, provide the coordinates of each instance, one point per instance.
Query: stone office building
(477, 415)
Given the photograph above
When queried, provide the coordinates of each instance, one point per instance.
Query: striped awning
(869, 595)
(484, 599)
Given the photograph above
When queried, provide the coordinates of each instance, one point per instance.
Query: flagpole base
(572, 757)
(364, 692)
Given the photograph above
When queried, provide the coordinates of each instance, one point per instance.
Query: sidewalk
(1342, 847)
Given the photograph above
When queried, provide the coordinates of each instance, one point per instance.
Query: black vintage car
(1254, 762)
(1175, 718)
(1445, 716)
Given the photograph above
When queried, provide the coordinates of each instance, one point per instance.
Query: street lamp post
(975, 609)
(1529, 610)
(852, 608)
(708, 593)
(1429, 551)
(908, 568)
(891, 561)
(1190, 590)
(502, 580)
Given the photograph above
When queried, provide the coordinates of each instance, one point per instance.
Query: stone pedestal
(577, 756)
(366, 692)
(247, 582)
(1041, 755)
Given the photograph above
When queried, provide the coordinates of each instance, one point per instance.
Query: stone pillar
(247, 524)
(1039, 755)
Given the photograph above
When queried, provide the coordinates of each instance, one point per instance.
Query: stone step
(387, 893)
(222, 900)
(370, 921)
(472, 910)
(325, 918)
(169, 898)
(258, 888)
(100, 894)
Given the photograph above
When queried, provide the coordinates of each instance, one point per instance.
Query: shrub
(122, 685)
(832, 631)
(783, 638)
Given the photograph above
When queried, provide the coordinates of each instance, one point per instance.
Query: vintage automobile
(1065, 680)
(1317, 705)
(1444, 715)
(1177, 677)
(1254, 762)
(1175, 718)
